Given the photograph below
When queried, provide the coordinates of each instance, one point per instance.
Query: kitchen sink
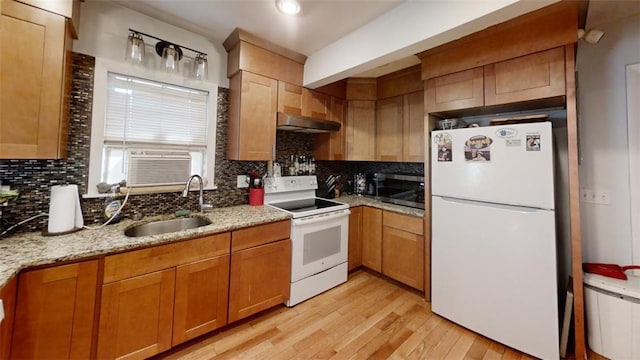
(166, 226)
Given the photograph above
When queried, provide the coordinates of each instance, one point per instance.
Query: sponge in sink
(182, 212)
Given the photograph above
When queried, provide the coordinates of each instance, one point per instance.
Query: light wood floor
(366, 318)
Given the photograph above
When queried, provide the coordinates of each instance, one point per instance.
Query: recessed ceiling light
(289, 7)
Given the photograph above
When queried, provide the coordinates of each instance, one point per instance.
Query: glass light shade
(135, 49)
(200, 67)
(170, 59)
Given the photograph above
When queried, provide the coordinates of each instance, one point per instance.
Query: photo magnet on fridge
(533, 142)
(478, 148)
(443, 142)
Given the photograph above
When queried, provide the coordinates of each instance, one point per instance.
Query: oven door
(318, 243)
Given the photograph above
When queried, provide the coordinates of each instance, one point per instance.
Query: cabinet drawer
(138, 262)
(408, 223)
(260, 235)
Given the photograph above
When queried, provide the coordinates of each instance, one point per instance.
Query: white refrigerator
(493, 249)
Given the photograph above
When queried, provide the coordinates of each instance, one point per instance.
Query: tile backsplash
(34, 178)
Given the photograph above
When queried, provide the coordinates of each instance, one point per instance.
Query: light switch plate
(1, 310)
(242, 181)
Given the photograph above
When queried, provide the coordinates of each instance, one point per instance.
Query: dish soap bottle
(111, 206)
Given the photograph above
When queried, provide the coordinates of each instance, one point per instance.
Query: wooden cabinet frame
(554, 26)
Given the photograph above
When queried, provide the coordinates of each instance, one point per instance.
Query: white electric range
(319, 235)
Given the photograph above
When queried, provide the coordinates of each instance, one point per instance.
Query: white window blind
(142, 111)
(154, 133)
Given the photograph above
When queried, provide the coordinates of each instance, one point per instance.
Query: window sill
(147, 190)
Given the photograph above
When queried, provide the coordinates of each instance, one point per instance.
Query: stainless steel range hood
(305, 124)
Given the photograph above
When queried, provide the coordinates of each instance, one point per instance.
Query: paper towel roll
(65, 213)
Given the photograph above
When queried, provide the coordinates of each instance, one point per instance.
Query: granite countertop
(31, 249)
(355, 200)
(22, 251)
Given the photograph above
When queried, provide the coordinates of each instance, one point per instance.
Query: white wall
(602, 108)
(104, 27)
(410, 28)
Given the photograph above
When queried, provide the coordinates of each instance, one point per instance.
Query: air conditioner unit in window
(158, 169)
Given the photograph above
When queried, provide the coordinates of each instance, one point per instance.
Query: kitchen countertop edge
(32, 249)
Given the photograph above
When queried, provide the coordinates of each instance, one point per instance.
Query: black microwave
(398, 188)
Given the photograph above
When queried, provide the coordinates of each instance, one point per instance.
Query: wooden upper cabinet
(315, 104)
(550, 27)
(372, 238)
(247, 52)
(289, 98)
(536, 76)
(355, 238)
(252, 117)
(413, 128)
(400, 82)
(67, 8)
(136, 316)
(331, 145)
(389, 129)
(55, 312)
(35, 82)
(361, 130)
(461, 90)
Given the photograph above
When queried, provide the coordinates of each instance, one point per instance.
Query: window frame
(100, 83)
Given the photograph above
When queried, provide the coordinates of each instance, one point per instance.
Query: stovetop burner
(296, 195)
(304, 205)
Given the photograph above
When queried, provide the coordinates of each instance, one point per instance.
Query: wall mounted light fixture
(171, 54)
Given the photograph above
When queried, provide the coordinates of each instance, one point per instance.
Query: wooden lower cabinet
(55, 312)
(161, 296)
(8, 296)
(355, 238)
(372, 238)
(403, 248)
(202, 293)
(136, 316)
(260, 278)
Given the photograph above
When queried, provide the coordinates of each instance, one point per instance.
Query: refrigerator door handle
(524, 209)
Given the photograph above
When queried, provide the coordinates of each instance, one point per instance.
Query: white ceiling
(319, 23)
(324, 23)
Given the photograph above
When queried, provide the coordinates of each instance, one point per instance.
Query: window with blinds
(154, 133)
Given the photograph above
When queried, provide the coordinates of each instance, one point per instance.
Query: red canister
(256, 196)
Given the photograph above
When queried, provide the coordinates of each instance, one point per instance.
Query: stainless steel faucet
(201, 205)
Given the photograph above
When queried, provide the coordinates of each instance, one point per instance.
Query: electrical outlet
(602, 197)
(587, 195)
(242, 181)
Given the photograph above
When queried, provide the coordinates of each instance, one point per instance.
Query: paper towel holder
(71, 198)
